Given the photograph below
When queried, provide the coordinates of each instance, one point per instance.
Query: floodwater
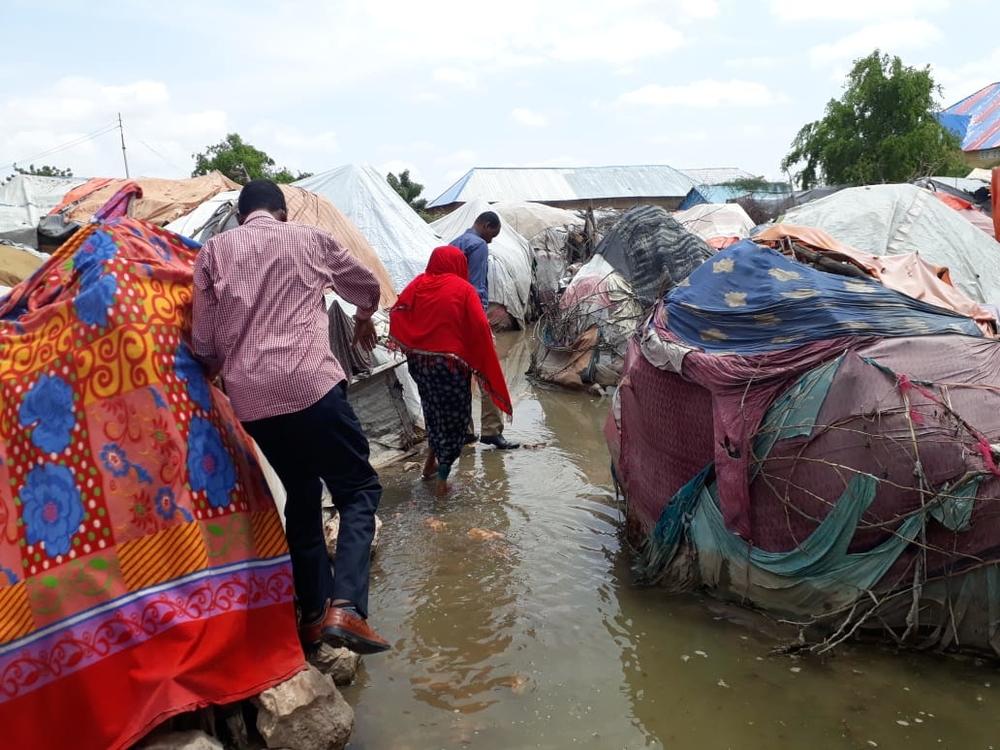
(514, 624)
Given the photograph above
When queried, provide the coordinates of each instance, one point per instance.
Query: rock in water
(340, 663)
(306, 712)
(332, 529)
(193, 740)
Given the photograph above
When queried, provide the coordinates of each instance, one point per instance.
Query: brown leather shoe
(339, 627)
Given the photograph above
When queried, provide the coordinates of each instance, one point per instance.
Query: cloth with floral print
(135, 523)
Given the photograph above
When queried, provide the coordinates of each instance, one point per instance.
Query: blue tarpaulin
(750, 299)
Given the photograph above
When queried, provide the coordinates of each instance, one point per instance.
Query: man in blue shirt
(475, 244)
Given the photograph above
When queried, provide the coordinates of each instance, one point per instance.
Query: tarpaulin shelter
(24, 200)
(510, 264)
(557, 239)
(585, 337)
(900, 219)
(909, 273)
(818, 446)
(652, 251)
(141, 551)
(162, 200)
(719, 224)
(304, 207)
(401, 238)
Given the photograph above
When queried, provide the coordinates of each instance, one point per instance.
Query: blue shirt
(477, 252)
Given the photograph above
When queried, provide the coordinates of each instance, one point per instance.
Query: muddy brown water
(514, 624)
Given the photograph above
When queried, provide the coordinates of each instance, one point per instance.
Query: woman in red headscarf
(439, 322)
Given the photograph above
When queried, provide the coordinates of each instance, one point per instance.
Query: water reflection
(463, 609)
(536, 638)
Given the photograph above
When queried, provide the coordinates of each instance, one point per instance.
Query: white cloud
(707, 94)
(762, 62)
(698, 10)
(894, 36)
(160, 133)
(464, 79)
(853, 10)
(528, 118)
(960, 81)
(679, 137)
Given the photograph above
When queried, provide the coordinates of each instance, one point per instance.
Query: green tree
(241, 162)
(883, 129)
(408, 189)
(43, 171)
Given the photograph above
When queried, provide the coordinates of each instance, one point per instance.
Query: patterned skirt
(445, 386)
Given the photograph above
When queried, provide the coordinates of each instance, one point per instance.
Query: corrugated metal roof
(717, 175)
(976, 119)
(565, 184)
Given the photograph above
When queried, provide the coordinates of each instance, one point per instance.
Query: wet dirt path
(514, 625)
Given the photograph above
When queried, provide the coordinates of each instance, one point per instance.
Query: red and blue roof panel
(976, 119)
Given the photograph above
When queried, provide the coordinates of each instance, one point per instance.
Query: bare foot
(442, 488)
(430, 467)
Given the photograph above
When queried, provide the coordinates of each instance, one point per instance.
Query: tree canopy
(883, 129)
(408, 189)
(44, 170)
(241, 162)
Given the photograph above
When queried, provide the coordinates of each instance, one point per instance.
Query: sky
(439, 87)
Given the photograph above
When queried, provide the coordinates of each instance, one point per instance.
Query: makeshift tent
(24, 200)
(142, 551)
(162, 200)
(18, 263)
(835, 463)
(510, 264)
(304, 207)
(652, 251)
(909, 274)
(557, 239)
(401, 238)
(750, 300)
(716, 223)
(585, 337)
(898, 219)
(533, 219)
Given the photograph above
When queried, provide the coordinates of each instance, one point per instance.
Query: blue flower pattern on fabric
(161, 247)
(190, 371)
(116, 461)
(49, 405)
(97, 295)
(167, 508)
(52, 508)
(209, 466)
(98, 248)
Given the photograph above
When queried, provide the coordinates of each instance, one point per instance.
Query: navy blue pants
(324, 442)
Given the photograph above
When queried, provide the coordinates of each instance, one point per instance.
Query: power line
(63, 146)
(165, 159)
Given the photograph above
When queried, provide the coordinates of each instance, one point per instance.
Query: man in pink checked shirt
(260, 322)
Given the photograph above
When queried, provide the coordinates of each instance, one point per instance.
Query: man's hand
(364, 334)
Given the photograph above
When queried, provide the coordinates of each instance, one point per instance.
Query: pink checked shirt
(259, 316)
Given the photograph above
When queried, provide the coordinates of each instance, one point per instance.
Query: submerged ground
(515, 625)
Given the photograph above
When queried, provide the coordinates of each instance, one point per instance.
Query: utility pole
(121, 131)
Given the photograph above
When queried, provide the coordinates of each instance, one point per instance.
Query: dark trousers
(324, 442)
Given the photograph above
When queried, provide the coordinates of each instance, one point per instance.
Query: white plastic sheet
(401, 238)
(899, 219)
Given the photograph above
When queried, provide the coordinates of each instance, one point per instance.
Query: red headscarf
(440, 313)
